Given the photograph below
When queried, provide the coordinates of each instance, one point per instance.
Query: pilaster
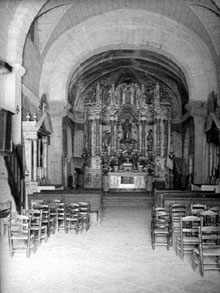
(198, 110)
(13, 94)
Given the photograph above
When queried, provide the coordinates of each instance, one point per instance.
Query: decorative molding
(19, 69)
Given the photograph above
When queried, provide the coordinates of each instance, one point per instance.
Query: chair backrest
(73, 207)
(19, 224)
(210, 218)
(84, 206)
(53, 203)
(36, 202)
(189, 225)
(155, 210)
(209, 236)
(195, 209)
(161, 219)
(178, 210)
(214, 209)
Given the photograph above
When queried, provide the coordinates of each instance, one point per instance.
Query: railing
(14, 165)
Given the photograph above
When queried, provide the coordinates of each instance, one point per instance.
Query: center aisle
(115, 257)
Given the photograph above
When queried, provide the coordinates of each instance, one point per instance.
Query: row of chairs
(62, 216)
(197, 230)
(200, 235)
(27, 231)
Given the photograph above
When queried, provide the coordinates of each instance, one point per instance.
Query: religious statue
(126, 127)
(112, 95)
(150, 140)
(106, 139)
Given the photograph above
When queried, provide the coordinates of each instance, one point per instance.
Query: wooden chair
(209, 218)
(5, 211)
(207, 255)
(214, 209)
(46, 219)
(188, 237)
(53, 203)
(73, 218)
(177, 210)
(217, 210)
(84, 210)
(19, 234)
(195, 209)
(37, 202)
(161, 228)
(37, 228)
(61, 216)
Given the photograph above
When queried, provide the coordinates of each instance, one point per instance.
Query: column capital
(197, 108)
(19, 69)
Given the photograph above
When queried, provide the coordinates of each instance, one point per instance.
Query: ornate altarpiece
(126, 131)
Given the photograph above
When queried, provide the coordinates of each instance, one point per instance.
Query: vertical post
(89, 133)
(112, 133)
(162, 137)
(35, 159)
(45, 157)
(13, 92)
(28, 158)
(197, 110)
(143, 135)
(97, 120)
(138, 136)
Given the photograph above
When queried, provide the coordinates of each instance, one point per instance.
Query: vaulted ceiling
(137, 66)
(59, 17)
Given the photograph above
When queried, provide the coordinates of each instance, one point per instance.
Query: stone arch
(135, 30)
(19, 27)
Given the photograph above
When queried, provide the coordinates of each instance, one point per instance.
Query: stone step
(127, 201)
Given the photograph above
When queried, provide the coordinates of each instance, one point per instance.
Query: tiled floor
(115, 257)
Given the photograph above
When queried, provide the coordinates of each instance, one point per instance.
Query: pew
(67, 196)
(164, 198)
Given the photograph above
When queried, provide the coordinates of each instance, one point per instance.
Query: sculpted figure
(126, 127)
(150, 140)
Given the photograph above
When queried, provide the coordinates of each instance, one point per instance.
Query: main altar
(126, 137)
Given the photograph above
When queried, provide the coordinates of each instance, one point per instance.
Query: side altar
(126, 136)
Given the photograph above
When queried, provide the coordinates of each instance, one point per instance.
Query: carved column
(97, 121)
(162, 137)
(197, 110)
(166, 133)
(115, 132)
(28, 158)
(138, 135)
(45, 156)
(90, 132)
(143, 134)
(35, 159)
(13, 96)
(157, 135)
(112, 133)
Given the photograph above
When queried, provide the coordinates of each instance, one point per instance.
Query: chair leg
(168, 242)
(201, 267)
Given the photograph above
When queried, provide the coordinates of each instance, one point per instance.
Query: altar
(127, 180)
(126, 137)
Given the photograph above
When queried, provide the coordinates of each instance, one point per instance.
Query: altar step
(127, 200)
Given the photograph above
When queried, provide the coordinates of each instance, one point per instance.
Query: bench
(94, 199)
(166, 197)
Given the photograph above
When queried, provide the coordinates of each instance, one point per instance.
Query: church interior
(112, 103)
